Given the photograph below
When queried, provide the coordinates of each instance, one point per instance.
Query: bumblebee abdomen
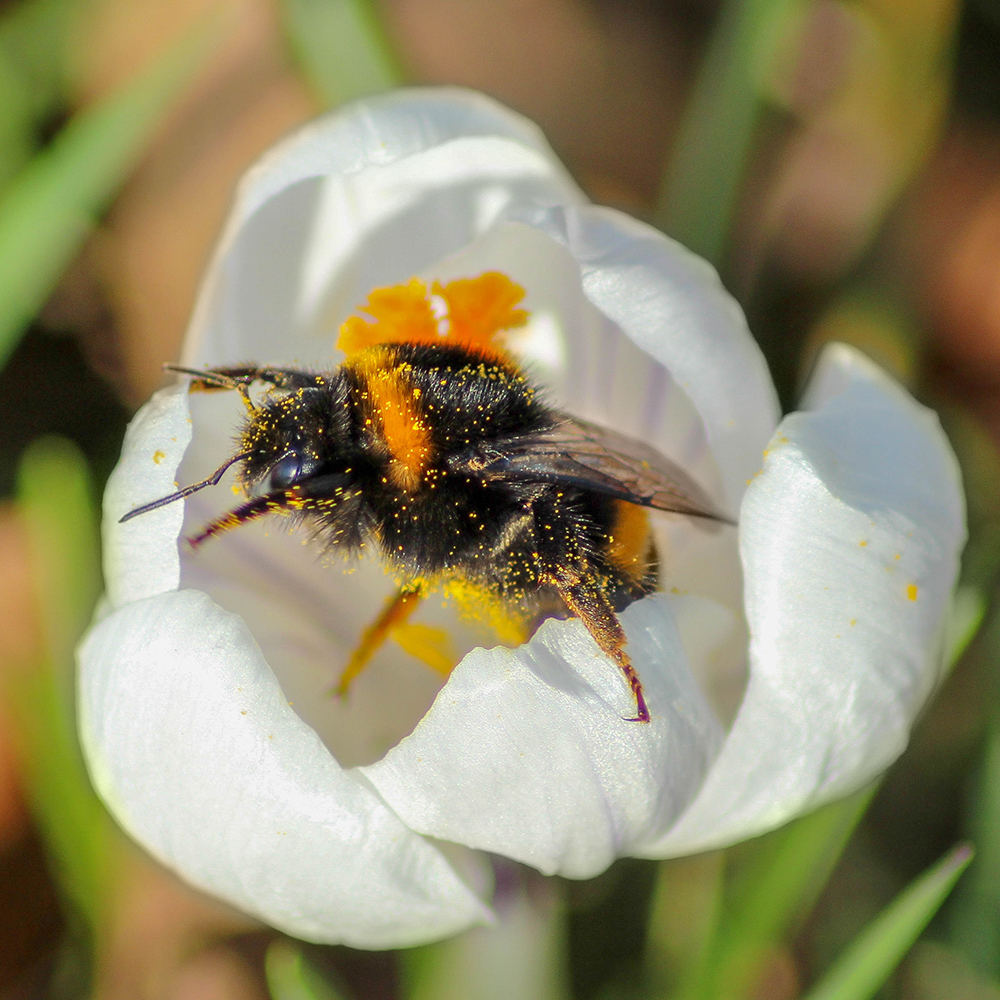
(450, 524)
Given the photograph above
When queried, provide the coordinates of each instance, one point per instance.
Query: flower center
(476, 311)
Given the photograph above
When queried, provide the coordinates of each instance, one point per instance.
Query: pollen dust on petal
(478, 310)
(911, 591)
(432, 646)
(477, 603)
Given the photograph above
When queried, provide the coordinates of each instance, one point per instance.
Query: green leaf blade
(341, 48)
(871, 958)
(702, 181)
(780, 877)
(54, 499)
(290, 976)
(33, 60)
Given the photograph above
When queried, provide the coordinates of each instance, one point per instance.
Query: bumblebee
(431, 446)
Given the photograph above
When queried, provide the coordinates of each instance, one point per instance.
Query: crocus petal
(850, 537)
(361, 198)
(525, 752)
(140, 556)
(380, 130)
(213, 772)
(673, 307)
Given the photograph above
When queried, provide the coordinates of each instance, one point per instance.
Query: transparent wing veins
(577, 453)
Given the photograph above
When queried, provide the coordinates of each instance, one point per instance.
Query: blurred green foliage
(878, 949)
(50, 205)
(56, 503)
(700, 188)
(32, 84)
(773, 883)
(291, 977)
(340, 47)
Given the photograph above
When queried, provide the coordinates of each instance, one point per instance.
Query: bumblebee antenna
(217, 380)
(212, 480)
(203, 375)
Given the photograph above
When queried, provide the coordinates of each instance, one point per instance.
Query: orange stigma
(477, 311)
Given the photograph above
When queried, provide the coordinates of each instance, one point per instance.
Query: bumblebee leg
(257, 507)
(396, 611)
(588, 603)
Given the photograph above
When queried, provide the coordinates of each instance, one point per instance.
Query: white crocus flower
(783, 664)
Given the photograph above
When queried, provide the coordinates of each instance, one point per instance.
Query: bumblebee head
(294, 437)
(293, 450)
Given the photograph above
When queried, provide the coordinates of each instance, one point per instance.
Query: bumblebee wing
(577, 453)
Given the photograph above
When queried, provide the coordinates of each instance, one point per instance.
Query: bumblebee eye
(291, 469)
